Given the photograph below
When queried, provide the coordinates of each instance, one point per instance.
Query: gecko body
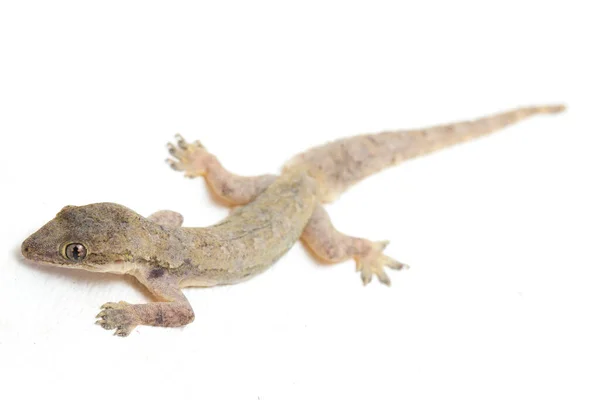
(274, 212)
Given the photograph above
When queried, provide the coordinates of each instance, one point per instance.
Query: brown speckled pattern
(338, 165)
(165, 257)
(276, 212)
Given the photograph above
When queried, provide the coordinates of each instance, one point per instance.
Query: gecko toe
(383, 277)
(181, 142)
(173, 150)
(374, 263)
(394, 264)
(366, 275)
(174, 164)
(109, 305)
(123, 331)
(104, 325)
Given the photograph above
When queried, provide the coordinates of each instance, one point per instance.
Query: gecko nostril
(25, 249)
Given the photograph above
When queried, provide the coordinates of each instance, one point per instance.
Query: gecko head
(93, 237)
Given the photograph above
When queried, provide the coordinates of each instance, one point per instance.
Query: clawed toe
(124, 330)
(173, 150)
(374, 263)
(174, 164)
(111, 305)
(181, 141)
(183, 144)
(394, 264)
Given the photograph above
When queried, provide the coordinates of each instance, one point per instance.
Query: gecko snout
(25, 248)
(28, 249)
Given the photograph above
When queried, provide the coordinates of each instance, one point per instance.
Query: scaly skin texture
(338, 165)
(274, 213)
(164, 256)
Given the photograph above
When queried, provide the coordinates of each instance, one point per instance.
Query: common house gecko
(273, 213)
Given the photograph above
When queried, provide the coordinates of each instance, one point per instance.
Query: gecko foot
(119, 316)
(374, 263)
(191, 158)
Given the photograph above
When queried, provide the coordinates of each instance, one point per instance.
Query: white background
(502, 234)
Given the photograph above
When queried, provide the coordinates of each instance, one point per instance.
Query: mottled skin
(275, 212)
(338, 165)
(165, 257)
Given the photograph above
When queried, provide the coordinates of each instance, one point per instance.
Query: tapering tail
(413, 143)
(339, 164)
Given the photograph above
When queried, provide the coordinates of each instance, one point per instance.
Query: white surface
(502, 300)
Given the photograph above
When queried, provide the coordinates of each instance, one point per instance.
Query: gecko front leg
(332, 246)
(195, 161)
(174, 309)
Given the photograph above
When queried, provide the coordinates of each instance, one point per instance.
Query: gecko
(270, 213)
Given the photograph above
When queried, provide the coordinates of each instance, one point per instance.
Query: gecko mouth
(47, 263)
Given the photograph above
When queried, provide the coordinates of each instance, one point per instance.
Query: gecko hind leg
(332, 246)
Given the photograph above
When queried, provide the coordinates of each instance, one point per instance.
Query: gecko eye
(75, 252)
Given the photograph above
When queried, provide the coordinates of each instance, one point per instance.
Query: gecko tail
(555, 109)
(340, 164)
(413, 143)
